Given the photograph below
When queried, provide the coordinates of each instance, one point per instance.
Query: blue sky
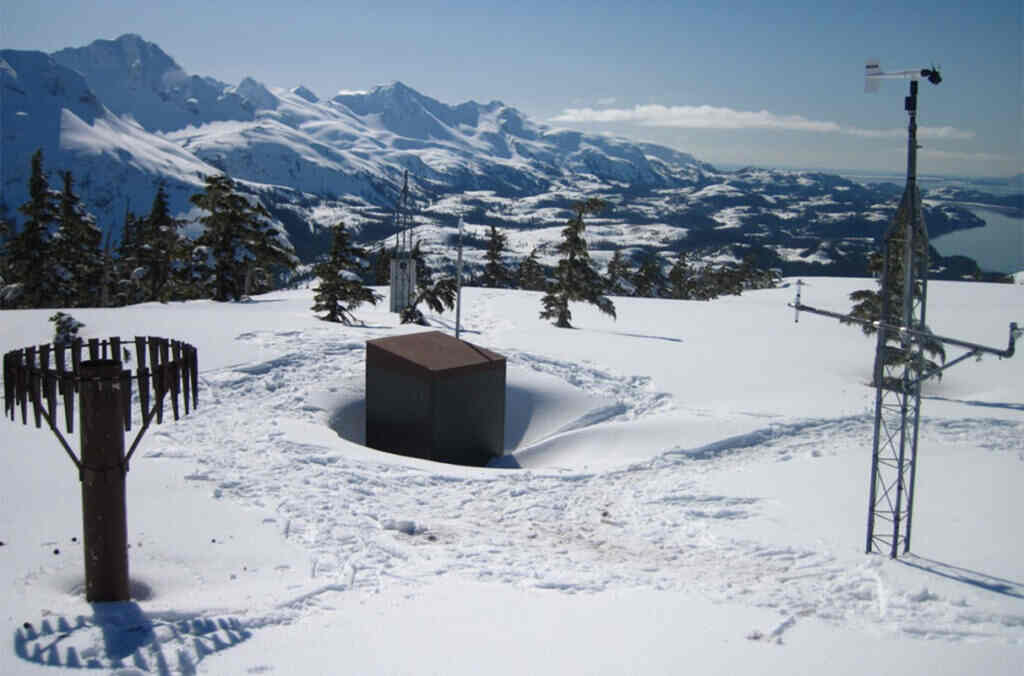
(770, 84)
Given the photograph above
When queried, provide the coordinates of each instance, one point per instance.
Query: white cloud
(694, 117)
(713, 117)
(954, 155)
(607, 101)
(922, 132)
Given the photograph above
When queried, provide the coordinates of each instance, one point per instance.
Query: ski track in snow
(373, 525)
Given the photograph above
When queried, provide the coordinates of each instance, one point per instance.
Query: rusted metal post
(104, 512)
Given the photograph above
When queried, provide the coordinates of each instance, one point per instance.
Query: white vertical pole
(458, 285)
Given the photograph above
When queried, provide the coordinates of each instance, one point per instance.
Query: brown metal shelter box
(431, 396)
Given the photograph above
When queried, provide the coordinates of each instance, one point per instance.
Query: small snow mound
(922, 596)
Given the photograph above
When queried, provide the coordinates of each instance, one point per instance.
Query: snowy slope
(343, 158)
(115, 162)
(692, 491)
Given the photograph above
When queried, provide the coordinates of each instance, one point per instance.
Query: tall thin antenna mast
(899, 371)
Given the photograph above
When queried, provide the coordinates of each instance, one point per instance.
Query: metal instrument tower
(900, 366)
(403, 266)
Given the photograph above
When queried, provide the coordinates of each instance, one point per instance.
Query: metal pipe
(458, 285)
(1015, 332)
(104, 513)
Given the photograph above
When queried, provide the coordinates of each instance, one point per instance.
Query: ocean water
(997, 247)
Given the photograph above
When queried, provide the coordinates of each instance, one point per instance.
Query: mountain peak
(302, 92)
(134, 77)
(255, 95)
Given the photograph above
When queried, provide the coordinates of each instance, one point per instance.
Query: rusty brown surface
(432, 353)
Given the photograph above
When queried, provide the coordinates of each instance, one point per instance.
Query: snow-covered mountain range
(123, 116)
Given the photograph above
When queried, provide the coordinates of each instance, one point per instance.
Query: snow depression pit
(546, 417)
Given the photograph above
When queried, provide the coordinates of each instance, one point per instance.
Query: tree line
(58, 257)
(575, 278)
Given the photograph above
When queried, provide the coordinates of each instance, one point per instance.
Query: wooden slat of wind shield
(68, 385)
(58, 360)
(22, 387)
(154, 354)
(165, 376)
(94, 348)
(194, 366)
(186, 376)
(76, 360)
(154, 372)
(143, 374)
(140, 353)
(36, 387)
(175, 369)
(8, 386)
(159, 387)
(49, 384)
(115, 348)
(64, 386)
(126, 398)
(33, 385)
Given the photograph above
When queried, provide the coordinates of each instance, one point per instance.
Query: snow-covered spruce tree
(31, 249)
(575, 279)
(129, 269)
(65, 328)
(437, 295)
(868, 303)
(531, 273)
(649, 280)
(243, 246)
(162, 249)
(382, 265)
(617, 275)
(341, 288)
(495, 274)
(77, 251)
(681, 279)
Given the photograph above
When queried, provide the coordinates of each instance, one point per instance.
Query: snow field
(687, 483)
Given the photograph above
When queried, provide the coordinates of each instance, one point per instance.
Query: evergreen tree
(161, 248)
(108, 276)
(649, 280)
(65, 328)
(129, 269)
(382, 266)
(682, 279)
(7, 285)
(31, 249)
(531, 273)
(437, 295)
(868, 304)
(496, 273)
(617, 275)
(575, 279)
(341, 288)
(77, 251)
(243, 246)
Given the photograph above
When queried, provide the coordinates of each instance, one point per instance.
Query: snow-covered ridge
(307, 156)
